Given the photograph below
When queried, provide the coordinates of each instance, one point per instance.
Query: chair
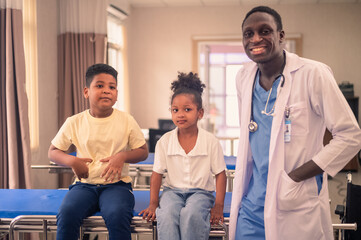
(154, 136)
(352, 212)
(166, 124)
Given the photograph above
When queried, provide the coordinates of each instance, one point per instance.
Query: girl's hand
(114, 168)
(217, 214)
(149, 213)
(80, 167)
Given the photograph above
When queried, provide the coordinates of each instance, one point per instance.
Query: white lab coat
(295, 210)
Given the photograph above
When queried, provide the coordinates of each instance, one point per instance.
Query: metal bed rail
(47, 224)
(138, 172)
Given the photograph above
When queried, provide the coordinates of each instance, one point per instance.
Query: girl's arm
(217, 210)
(155, 183)
(136, 155)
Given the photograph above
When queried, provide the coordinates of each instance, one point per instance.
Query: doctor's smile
(258, 50)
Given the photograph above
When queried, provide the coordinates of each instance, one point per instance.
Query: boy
(107, 140)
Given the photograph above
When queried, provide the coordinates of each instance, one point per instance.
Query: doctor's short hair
(98, 69)
(188, 84)
(268, 10)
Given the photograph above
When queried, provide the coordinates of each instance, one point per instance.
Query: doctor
(285, 104)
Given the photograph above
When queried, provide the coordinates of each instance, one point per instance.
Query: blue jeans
(114, 201)
(184, 214)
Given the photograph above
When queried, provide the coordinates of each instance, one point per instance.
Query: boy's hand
(114, 168)
(217, 214)
(149, 213)
(80, 167)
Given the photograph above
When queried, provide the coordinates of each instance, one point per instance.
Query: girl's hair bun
(188, 84)
(189, 81)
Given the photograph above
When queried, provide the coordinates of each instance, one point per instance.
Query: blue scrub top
(250, 223)
(260, 141)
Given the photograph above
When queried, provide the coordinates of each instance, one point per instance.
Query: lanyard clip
(287, 112)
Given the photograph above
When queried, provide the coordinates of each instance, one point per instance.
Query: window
(31, 65)
(116, 52)
(223, 62)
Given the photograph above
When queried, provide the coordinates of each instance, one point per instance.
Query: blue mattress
(15, 202)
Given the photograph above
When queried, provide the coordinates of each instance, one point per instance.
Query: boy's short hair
(268, 10)
(98, 69)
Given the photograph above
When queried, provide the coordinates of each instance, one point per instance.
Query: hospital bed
(34, 210)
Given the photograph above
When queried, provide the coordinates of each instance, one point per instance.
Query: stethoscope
(253, 126)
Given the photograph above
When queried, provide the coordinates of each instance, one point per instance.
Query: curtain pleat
(77, 51)
(15, 139)
(3, 129)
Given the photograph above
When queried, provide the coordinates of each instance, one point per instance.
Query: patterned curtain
(81, 43)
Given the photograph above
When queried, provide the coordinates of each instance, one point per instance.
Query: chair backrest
(166, 124)
(353, 210)
(154, 136)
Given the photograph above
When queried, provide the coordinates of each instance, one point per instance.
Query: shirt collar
(200, 149)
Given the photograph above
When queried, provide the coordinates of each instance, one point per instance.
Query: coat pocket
(293, 196)
(299, 118)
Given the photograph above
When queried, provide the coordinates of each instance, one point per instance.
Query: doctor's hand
(305, 171)
(80, 167)
(114, 168)
(217, 214)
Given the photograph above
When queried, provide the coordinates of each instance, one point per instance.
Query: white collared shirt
(192, 170)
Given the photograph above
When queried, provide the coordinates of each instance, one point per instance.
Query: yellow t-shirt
(99, 138)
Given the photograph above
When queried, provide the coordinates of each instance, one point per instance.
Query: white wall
(160, 45)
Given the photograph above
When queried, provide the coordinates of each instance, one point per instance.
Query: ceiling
(180, 3)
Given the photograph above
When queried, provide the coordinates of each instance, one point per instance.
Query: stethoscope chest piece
(252, 126)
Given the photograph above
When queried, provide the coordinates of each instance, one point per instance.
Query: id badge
(288, 130)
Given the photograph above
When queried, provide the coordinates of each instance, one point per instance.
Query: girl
(190, 156)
